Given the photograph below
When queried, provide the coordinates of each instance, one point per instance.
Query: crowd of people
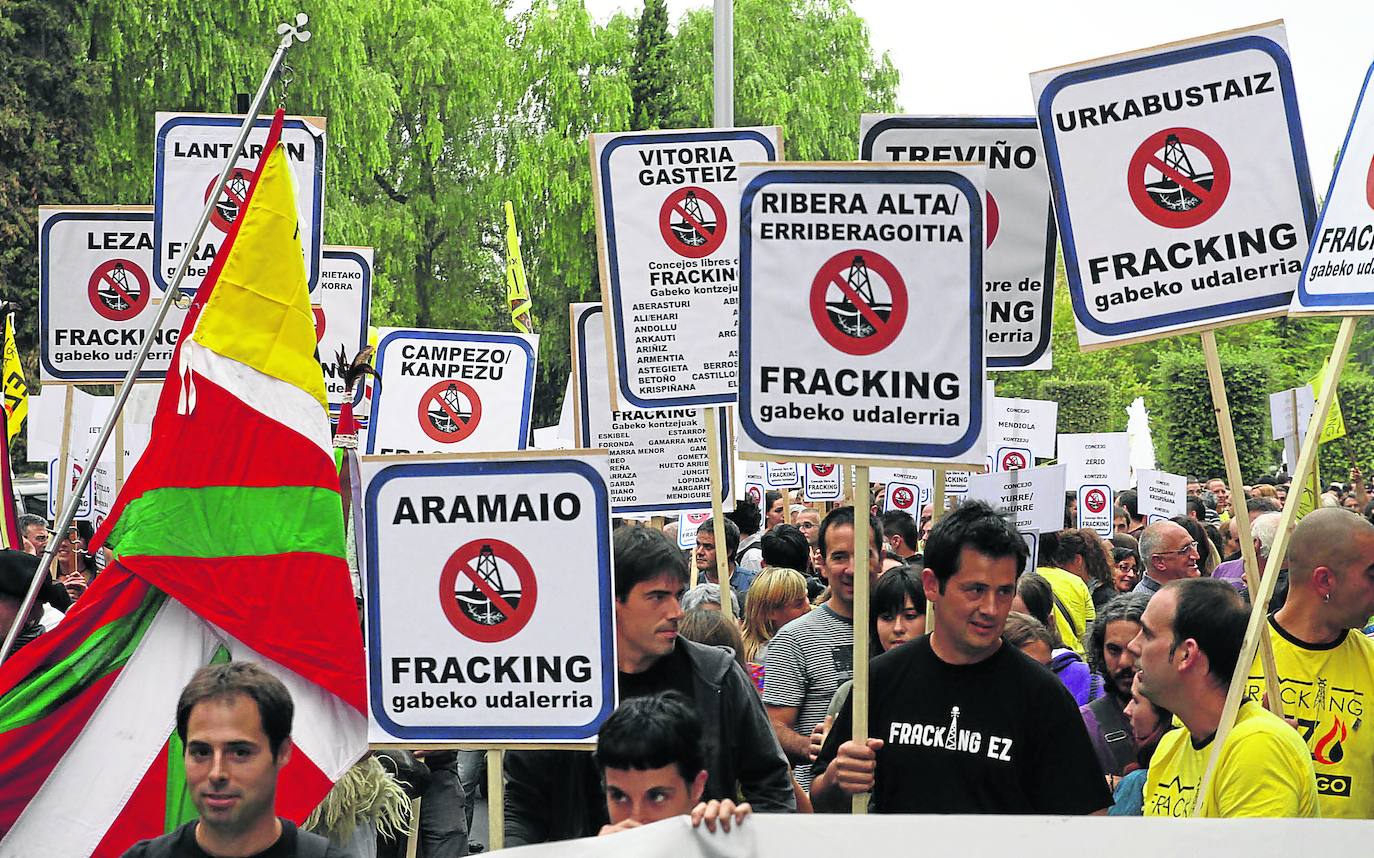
(1089, 679)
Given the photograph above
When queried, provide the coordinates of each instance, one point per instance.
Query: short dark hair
(651, 732)
(1263, 505)
(1021, 629)
(28, 519)
(1195, 506)
(233, 678)
(972, 524)
(643, 554)
(1129, 501)
(1211, 612)
(786, 546)
(1127, 606)
(731, 534)
(901, 523)
(769, 498)
(844, 515)
(889, 596)
(1266, 480)
(746, 516)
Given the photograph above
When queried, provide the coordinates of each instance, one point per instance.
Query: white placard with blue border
(190, 151)
(341, 315)
(861, 297)
(668, 242)
(1181, 184)
(83, 510)
(658, 459)
(1022, 244)
(95, 295)
(1338, 275)
(489, 597)
(451, 392)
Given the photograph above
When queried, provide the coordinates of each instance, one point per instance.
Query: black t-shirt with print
(999, 736)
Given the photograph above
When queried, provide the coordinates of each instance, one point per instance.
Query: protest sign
(341, 318)
(781, 475)
(1012, 458)
(687, 524)
(909, 492)
(190, 152)
(822, 482)
(1339, 269)
(1034, 497)
(451, 391)
(668, 242)
(95, 295)
(1095, 508)
(847, 271)
(754, 492)
(1181, 184)
(1019, 260)
(488, 597)
(956, 484)
(1029, 423)
(658, 459)
(1160, 495)
(74, 470)
(1096, 457)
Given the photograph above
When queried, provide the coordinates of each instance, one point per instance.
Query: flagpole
(290, 34)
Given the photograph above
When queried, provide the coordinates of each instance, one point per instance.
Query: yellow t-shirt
(1326, 688)
(1073, 592)
(1264, 770)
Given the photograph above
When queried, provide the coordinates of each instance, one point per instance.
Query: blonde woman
(776, 598)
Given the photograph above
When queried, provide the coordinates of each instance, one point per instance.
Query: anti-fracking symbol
(1179, 177)
(487, 590)
(450, 411)
(846, 308)
(118, 289)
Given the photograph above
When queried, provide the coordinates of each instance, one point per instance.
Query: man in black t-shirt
(962, 723)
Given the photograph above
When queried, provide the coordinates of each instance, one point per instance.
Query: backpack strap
(1059, 603)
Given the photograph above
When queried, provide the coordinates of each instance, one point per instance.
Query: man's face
(646, 622)
(1352, 589)
(972, 609)
(38, 535)
(775, 514)
(705, 554)
(1232, 540)
(809, 523)
(1177, 557)
(1119, 522)
(1153, 649)
(650, 795)
(1116, 658)
(1218, 488)
(1193, 489)
(839, 563)
(230, 771)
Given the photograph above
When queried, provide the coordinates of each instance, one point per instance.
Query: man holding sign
(962, 723)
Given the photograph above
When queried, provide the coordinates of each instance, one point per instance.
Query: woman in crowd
(1035, 597)
(1125, 569)
(1149, 723)
(712, 629)
(777, 597)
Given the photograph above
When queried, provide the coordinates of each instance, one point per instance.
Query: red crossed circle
(903, 497)
(440, 420)
(701, 224)
(1369, 184)
(1187, 193)
(1095, 500)
(754, 494)
(994, 218)
(482, 598)
(230, 204)
(1013, 460)
(868, 331)
(319, 322)
(697, 517)
(822, 470)
(118, 289)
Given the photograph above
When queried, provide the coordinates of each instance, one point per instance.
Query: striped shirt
(807, 661)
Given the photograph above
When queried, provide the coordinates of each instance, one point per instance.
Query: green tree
(649, 84)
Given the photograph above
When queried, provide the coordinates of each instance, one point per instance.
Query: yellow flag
(1335, 421)
(1309, 493)
(16, 388)
(517, 290)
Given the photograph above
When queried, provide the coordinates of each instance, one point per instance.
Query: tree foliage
(649, 84)
(1184, 420)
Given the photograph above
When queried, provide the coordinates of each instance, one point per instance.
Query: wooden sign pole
(496, 799)
(862, 537)
(64, 465)
(713, 454)
(1257, 632)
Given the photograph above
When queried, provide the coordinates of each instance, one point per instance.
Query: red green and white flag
(229, 542)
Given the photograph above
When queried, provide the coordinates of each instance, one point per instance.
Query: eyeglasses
(1182, 552)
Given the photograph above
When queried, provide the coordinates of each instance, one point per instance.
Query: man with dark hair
(705, 556)
(813, 655)
(1106, 719)
(1129, 501)
(234, 721)
(1325, 666)
(649, 754)
(17, 571)
(746, 517)
(961, 722)
(903, 536)
(556, 795)
(785, 546)
(1189, 642)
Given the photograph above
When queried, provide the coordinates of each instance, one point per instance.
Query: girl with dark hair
(1035, 597)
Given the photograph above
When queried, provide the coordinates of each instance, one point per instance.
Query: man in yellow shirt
(1326, 671)
(1189, 642)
